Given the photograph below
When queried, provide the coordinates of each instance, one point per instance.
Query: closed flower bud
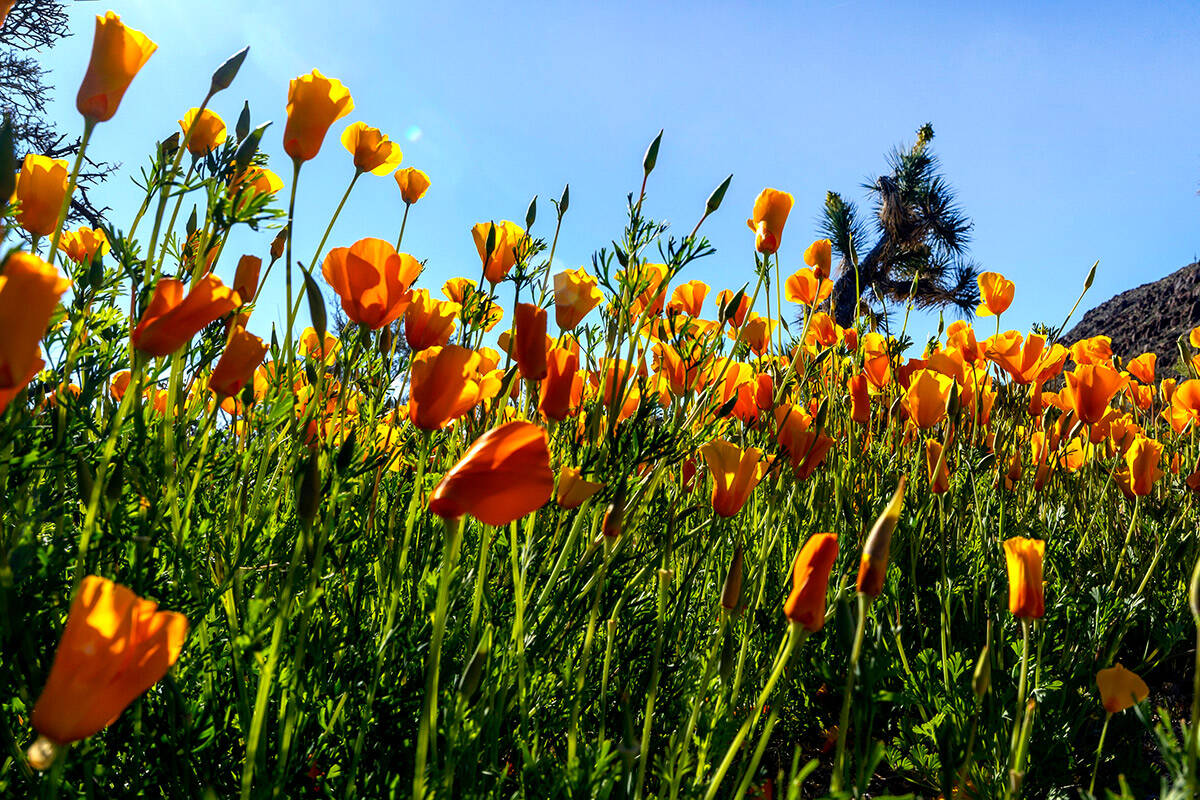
(614, 515)
(981, 681)
(731, 591)
(308, 494)
(472, 675)
(872, 570)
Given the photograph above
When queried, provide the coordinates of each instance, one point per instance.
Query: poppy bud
(614, 515)
(223, 77)
(84, 479)
(468, 683)
(8, 163)
(242, 128)
(345, 455)
(308, 494)
(115, 480)
(731, 591)
(981, 681)
(564, 201)
(651, 157)
(531, 213)
(718, 195)
(725, 669)
(873, 568)
(278, 244)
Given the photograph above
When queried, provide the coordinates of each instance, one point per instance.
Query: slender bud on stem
(225, 73)
(731, 592)
(873, 568)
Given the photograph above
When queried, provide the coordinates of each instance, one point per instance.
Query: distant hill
(1147, 319)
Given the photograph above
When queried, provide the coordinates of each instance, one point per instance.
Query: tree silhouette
(31, 28)
(920, 239)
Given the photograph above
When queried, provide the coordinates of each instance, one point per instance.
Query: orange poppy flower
(804, 447)
(1023, 557)
(1025, 363)
(688, 298)
(860, 399)
(573, 490)
(1093, 350)
(806, 287)
(1141, 466)
(314, 104)
(41, 191)
(245, 279)
(756, 333)
(429, 322)
(324, 348)
(926, 397)
(1185, 405)
(7, 395)
(371, 149)
(242, 356)
(29, 293)
(738, 316)
(872, 568)
(443, 386)
(502, 477)
(114, 647)
(805, 606)
(562, 388)
(735, 473)
(771, 209)
(172, 319)
(207, 130)
(1120, 688)
(1142, 367)
(819, 256)
(531, 341)
(1089, 390)
(118, 53)
(509, 236)
(996, 291)
(413, 184)
(372, 280)
(253, 182)
(83, 245)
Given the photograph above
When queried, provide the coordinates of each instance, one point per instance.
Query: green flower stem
(835, 784)
(795, 635)
(1099, 750)
(89, 125)
(427, 729)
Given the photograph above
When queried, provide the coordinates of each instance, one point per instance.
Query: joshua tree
(920, 238)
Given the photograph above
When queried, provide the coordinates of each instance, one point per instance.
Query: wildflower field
(686, 542)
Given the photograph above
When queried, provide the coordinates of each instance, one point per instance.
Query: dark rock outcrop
(1147, 319)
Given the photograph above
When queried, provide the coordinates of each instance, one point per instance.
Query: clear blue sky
(1068, 129)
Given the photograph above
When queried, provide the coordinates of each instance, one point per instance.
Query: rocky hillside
(1149, 318)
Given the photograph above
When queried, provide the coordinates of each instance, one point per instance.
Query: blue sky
(1068, 129)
